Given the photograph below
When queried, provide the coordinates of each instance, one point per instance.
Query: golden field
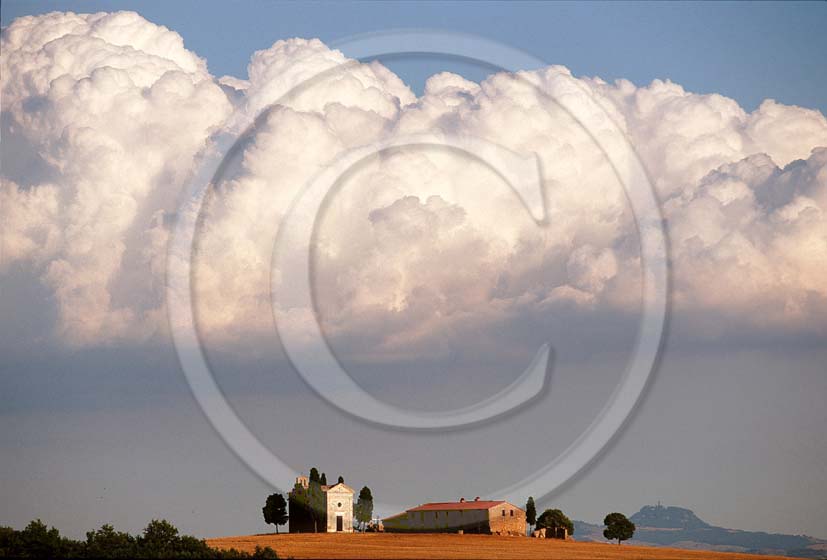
(398, 546)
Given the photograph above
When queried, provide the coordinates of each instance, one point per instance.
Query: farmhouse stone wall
(453, 520)
(507, 519)
(470, 521)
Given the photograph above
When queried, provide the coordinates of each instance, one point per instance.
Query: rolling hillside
(398, 546)
(681, 528)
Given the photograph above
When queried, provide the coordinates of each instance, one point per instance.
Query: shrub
(160, 539)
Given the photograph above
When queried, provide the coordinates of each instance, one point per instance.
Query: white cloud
(416, 243)
(751, 239)
(115, 109)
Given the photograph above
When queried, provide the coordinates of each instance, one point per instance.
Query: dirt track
(396, 546)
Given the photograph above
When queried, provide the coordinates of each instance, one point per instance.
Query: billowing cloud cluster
(104, 115)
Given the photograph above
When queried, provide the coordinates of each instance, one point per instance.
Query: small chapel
(335, 507)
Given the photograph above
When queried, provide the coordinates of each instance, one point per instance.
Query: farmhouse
(336, 512)
(478, 516)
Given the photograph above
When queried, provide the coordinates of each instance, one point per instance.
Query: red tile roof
(469, 504)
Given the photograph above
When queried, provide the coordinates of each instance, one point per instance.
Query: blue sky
(735, 414)
(747, 51)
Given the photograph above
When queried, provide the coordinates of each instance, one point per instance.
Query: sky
(747, 52)
(433, 286)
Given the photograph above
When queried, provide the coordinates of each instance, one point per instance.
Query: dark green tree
(323, 480)
(530, 512)
(275, 511)
(363, 510)
(39, 541)
(159, 540)
(8, 542)
(618, 527)
(260, 552)
(160, 536)
(341, 480)
(106, 542)
(297, 508)
(314, 475)
(555, 519)
(315, 503)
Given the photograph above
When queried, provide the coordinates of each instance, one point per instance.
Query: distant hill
(680, 528)
(668, 517)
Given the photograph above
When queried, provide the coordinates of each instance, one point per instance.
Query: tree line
(160, 539)
(618, 526)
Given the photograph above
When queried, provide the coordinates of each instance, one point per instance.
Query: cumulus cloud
(104, 114)
(751, 239)
(113, 109)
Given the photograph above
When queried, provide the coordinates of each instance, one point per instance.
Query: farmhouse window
(512, 513)
(503, 513)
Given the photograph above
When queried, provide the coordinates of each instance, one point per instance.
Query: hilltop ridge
(678, 527)
(668, 517)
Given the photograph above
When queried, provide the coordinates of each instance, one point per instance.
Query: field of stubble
(397, 546)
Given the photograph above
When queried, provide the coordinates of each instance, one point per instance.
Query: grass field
(396, 546)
